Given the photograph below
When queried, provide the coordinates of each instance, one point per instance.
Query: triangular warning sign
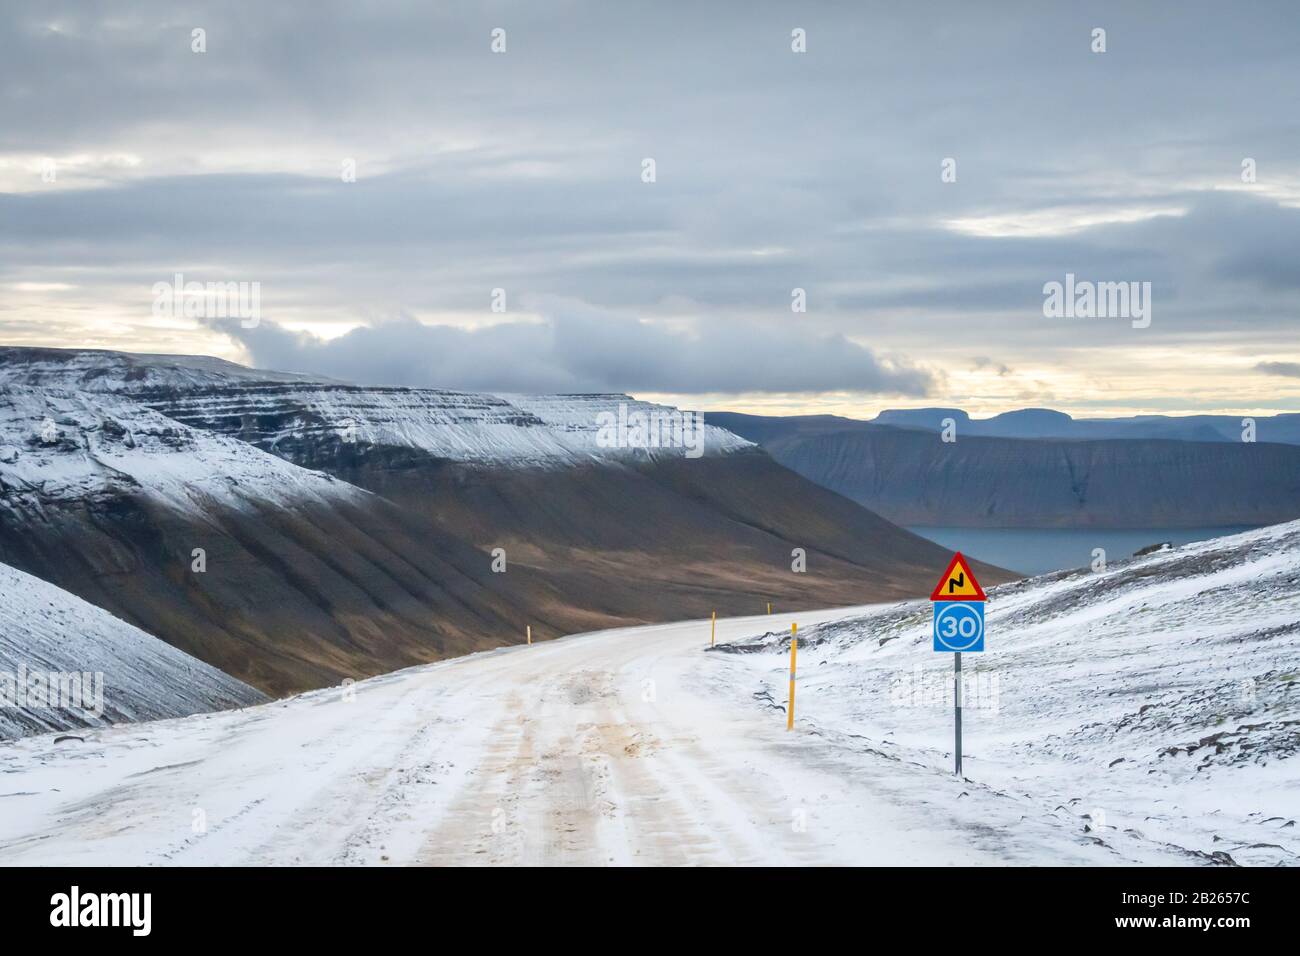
(958, 583)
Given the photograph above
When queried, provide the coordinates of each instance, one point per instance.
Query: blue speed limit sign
(959, 626)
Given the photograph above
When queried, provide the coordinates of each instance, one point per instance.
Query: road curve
(623, 747)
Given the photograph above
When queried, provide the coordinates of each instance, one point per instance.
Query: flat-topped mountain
(349, 530)
(1047, 423)
(909, 475)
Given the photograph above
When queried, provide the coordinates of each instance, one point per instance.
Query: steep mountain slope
(58, 445)
(304, 579)
(311, 579)
(104, 670)
(911, 477)
(1152, 706)
(622, 534)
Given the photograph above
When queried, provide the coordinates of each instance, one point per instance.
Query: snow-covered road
(632, 746)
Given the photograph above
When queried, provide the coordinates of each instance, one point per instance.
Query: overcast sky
(774, 170)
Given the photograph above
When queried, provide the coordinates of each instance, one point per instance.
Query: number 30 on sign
(959, 626)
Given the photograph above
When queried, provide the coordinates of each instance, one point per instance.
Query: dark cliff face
(912, 477)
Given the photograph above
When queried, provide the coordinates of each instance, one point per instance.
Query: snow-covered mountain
(67, 445)
(312, 422)
(282, 576)
(349, 530)
(1155, 704)
(104, 670)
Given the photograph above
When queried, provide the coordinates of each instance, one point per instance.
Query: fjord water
(1039, 550)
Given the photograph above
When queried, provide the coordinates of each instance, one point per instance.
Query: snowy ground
(633, 746)
(1146, 714)
(624, 746)
(1152, 708)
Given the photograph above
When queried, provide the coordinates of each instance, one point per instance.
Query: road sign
(958, 583)
(959, 626)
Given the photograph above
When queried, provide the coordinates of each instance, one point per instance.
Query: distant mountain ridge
(1048, 423)
(910, 476)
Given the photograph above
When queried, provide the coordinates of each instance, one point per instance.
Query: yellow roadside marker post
(713, 628)
(794, 649)
(769, 607)
(530, 635)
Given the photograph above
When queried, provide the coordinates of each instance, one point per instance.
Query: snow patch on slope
(45, 629)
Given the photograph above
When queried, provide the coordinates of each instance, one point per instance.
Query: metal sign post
(956, 698)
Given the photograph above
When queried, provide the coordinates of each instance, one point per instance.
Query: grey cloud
(419, 242)
(983, 362)
(578, 349)
(776, 171)
(1289, 369)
